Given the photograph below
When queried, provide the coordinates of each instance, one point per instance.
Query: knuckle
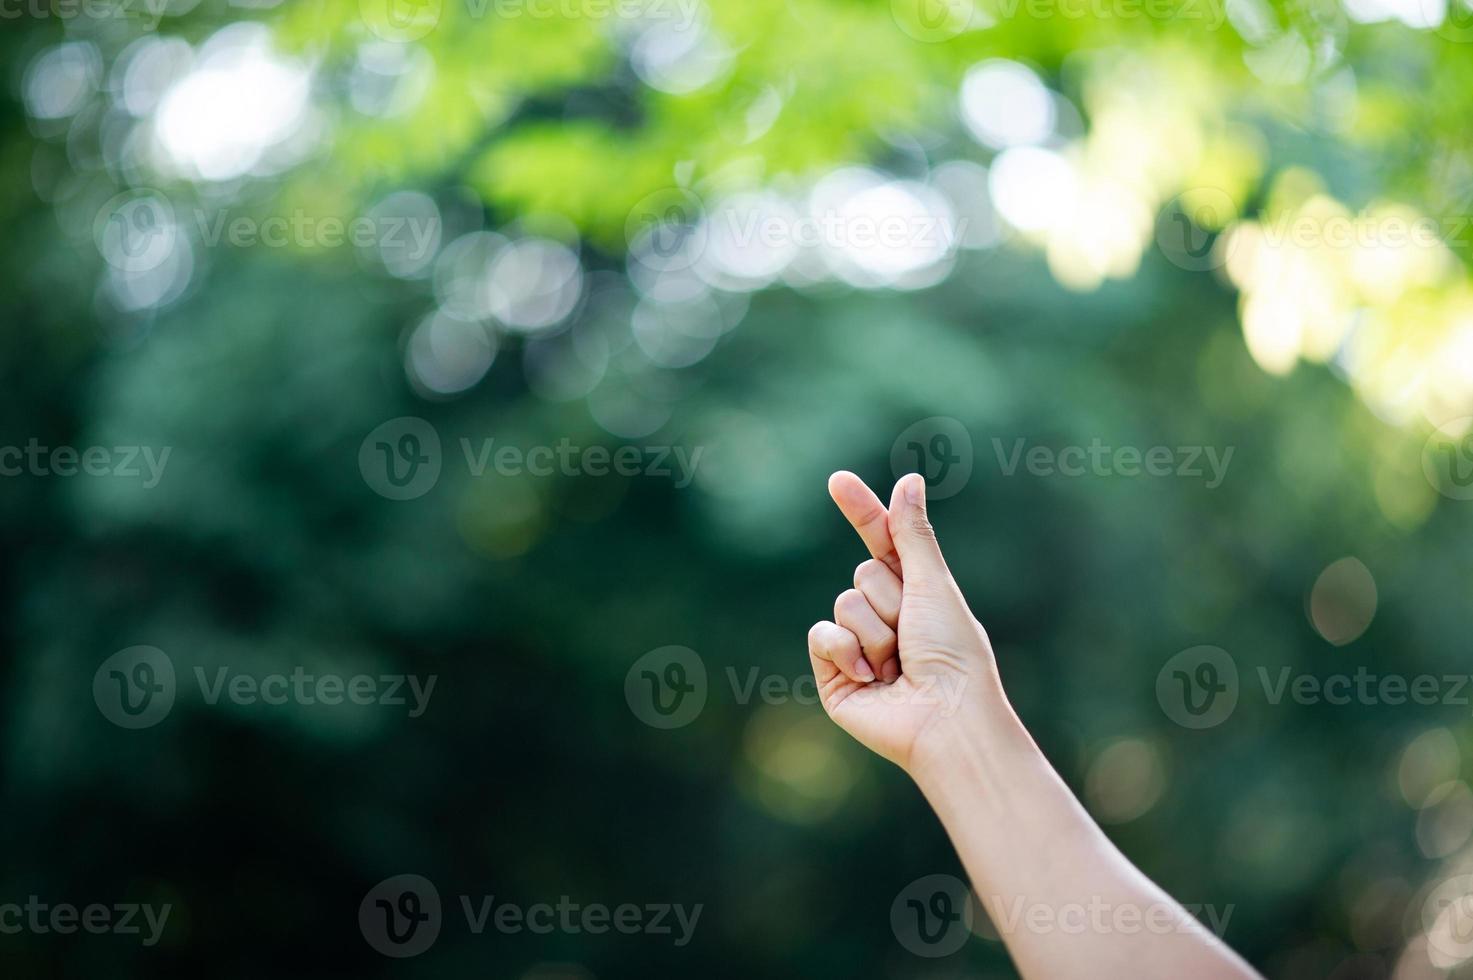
(883, 642)
(866, 571)
(849, 601)
(922, 527)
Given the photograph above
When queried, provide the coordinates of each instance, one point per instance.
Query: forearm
(1064, 899)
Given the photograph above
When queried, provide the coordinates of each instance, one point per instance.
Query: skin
(906, 669)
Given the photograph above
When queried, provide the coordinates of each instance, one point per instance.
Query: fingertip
(915, 489)
(841, 484)
(910, 491)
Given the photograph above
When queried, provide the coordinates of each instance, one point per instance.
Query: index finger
(870, 517)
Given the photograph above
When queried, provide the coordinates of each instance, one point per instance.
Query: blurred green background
(254, 234)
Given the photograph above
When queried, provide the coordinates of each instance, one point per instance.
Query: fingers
(915, 539)
(859, 505)
(877, 640)
(882, 588)
(835, 644)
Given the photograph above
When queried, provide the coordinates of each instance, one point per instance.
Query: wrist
(980, 741)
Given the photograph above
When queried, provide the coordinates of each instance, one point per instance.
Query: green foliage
(265, 549)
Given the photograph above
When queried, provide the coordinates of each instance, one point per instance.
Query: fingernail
(915, 489)
(891, 670)
(863, 671)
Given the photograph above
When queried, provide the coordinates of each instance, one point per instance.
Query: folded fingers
(882, 588)
(836, 645)
(876, 639)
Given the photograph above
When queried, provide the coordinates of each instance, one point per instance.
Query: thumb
(915, 540)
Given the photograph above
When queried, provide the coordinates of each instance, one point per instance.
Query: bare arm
(907, 670)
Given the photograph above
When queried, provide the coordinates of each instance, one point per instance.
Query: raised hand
(906, 668)
(903, 658)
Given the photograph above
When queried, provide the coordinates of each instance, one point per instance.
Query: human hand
(903, 663)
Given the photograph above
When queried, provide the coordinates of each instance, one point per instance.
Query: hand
(904, 661)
